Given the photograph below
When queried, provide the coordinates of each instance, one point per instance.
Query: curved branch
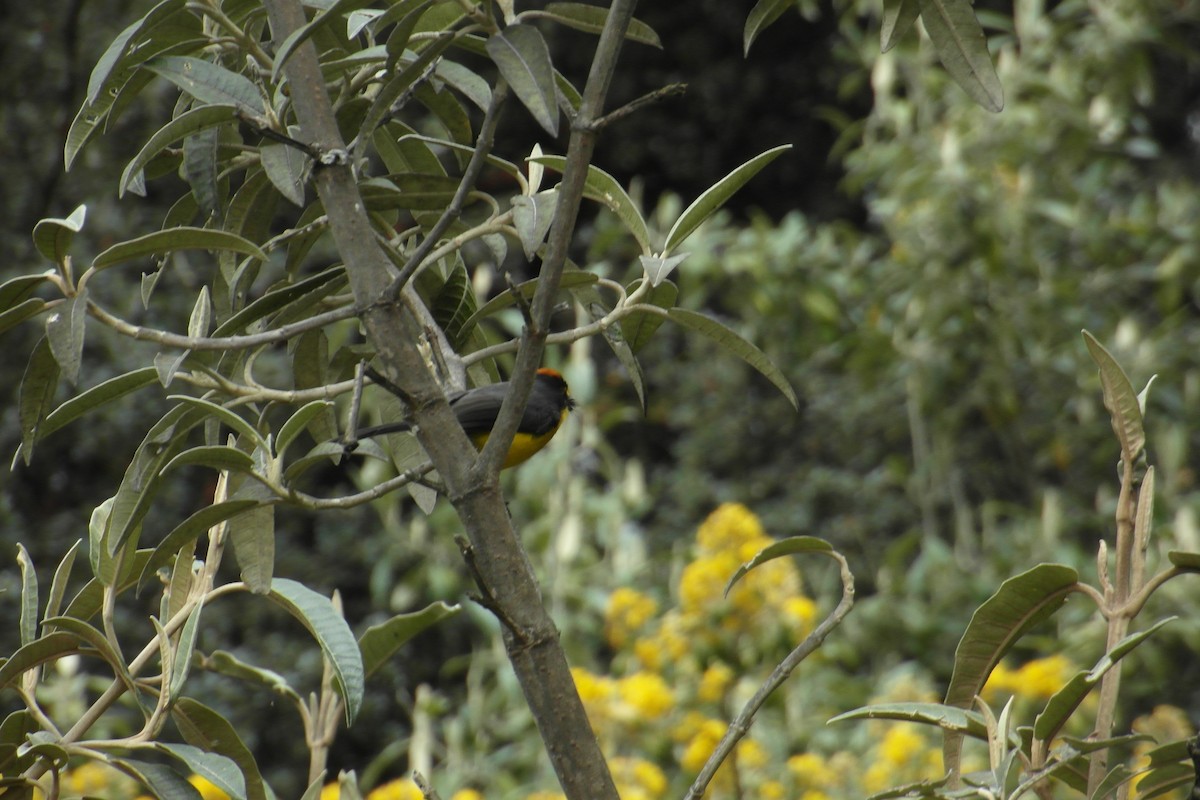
(741, 724)
(224, 343)
(1138, 601)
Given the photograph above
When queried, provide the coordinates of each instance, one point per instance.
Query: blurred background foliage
(919, 268)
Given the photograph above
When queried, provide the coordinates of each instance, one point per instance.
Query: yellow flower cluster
(628, 612)
(1035, 680)
(399, 789)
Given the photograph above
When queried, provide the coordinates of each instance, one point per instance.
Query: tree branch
(396, 332)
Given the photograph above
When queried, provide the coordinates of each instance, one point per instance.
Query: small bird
(477, 410)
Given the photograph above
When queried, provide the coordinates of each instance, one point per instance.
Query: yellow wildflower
(1042, 677)
(772, 790)
(467, 794)
(703, 582)
(399, 789)
(1002, 681)
(728, 527)
(594, 690)
(628, 612)
(331, 791)
(814, 794)
(647, 694)
(800, 613)
(879, 776)
(638, 778)
(812, 770)
(715, 680)
(902, 745)
(704, 740)
(90, 777)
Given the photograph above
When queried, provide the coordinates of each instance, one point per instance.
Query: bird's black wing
(477, 409)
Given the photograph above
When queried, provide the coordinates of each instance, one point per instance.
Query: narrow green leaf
(50, 647)
(99, 395)
(760, 18)
(217, 769)
(313, 792)
(38, 385)
(310, 368)
(422, 165)
(948, 718)
(327, 626)
(1160, 781)
(208, 82)
(22, 311)
(207, 730)
(52, 236)
(164, 782)
(218, 457)
(391, 91)
(177, 239)
(615, 340)
(591, 19)
(182, 664)
(604, 188)
(201, 172)
(467, 82)
(450, 112)
(407, 14)
(379, 642)
(201, 318)
(305, 32)
(1184, 560)
(306, 292)
(143, 475)
(298, 422)
(62, 575)
(962, 48)
(735, 344)
(1120, 400)
(898, 18)
(657, 268)
(521, 55)
(120, 46)
(17, 290)
(1020, 603)
(1048, 724)
(231, 420)
(1117, 777)
(87, 601)
(228, 664)
(30, 601)
(253, 533)
(638, 327)
(287, 168)
(716, 195)
(532, 217)
(65, 329)
(104, 566)
(116, 77)
(793, 545)
(100, 644)
(186, 124)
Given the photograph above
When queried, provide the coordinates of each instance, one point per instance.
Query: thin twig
(483, 148)
(741, 724)
(223, 343)
(637, 105)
